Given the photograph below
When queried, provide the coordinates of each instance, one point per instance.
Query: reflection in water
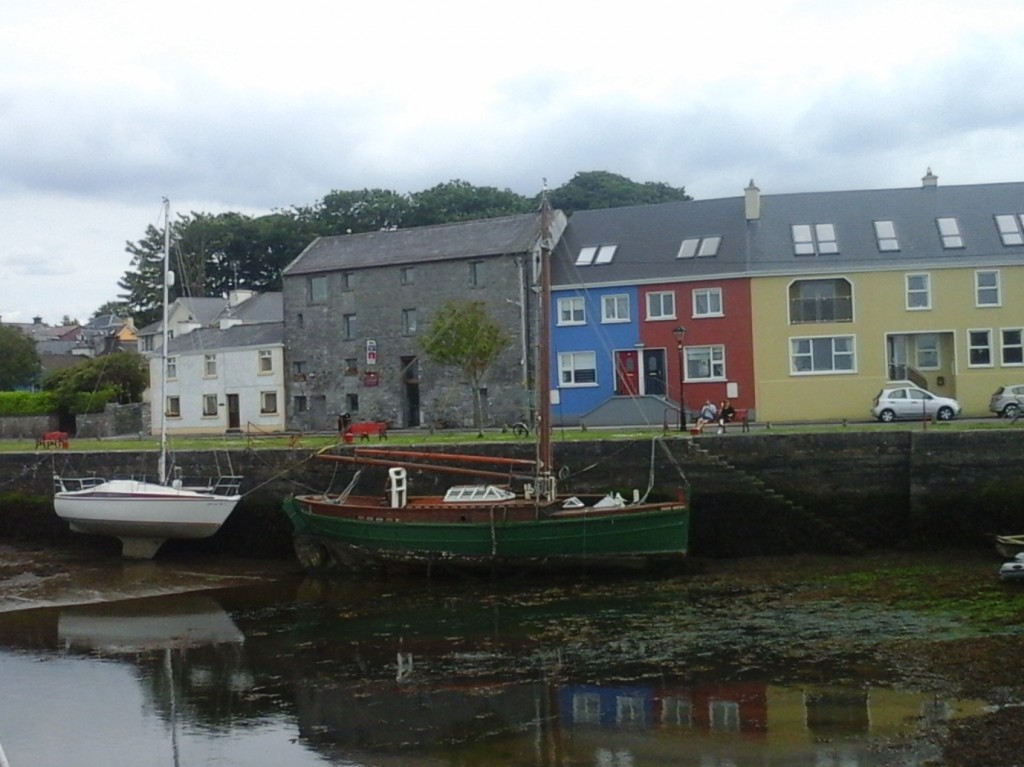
(348, 672)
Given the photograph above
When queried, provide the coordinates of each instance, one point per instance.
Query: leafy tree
(600, 189)
(117, 308)
(461, 201)
(19, 360)
(366, 210)
(462, 335)
(124, 374)
(143, 282)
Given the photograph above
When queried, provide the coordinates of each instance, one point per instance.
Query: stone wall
(751, 494)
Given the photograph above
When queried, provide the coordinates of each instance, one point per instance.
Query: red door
(626, 379)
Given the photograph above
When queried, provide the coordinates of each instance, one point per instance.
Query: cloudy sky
(108, 106)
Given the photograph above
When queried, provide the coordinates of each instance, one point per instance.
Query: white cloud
(107, 106)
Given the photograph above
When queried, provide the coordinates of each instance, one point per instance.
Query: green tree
(19, 360)
(600, 189)
(461, 201)
(143, 282)
(462, 335)
(124, 374)
(117, 308)
(365, 210)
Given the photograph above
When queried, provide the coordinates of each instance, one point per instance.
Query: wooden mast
(546, 489)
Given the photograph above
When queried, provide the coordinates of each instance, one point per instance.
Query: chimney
(752, 197)
(930, 179)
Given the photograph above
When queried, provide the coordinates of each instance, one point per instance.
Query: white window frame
(1010, 228)
(927, 351)
(615, 308)
(885, 236)
(172, 368)
(949, 232)
(595, 255)
(992, 294)
(666, 305)
(699, 247)
(815, 239)
(577, 369)
(1011, 339)
(209, 406)
(173, 406)
(209, 366)
(814, 349)
(266, 361)
(979, 348)
(705, 363)
(712, 300)
(572, 310)
(921, 293)
(268, 397)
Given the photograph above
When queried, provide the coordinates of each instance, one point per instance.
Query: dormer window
(1010, 228)
(885, 234)
(699, 247)
(949, 231)
(594, 255)
(814, 239)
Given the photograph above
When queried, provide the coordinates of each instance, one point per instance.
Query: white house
(227, 377)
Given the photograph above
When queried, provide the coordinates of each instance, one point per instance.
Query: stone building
(356, 304)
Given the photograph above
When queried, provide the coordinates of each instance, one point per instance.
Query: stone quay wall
(751, 494)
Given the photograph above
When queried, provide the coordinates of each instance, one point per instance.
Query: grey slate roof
(648, 237)
(463, 239)
(204, 310)
(262, 307)
(212, 339)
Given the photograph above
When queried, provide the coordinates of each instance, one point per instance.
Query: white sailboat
(143, 514)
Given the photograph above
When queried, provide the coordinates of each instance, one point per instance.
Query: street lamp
(680, 333)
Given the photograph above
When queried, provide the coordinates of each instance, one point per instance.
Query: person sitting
(726, 413)
(707, 414)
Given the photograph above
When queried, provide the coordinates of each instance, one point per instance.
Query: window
(352, 403)
(814, 239)
(827, 354)
(986, 288)
(571, 311)
(172, 367)
(927, 351)
(707, 302)
(919, 291)
(885, 234)
(577, 368)
(1012, 347)
(299, 369)
(699, 247)
(820, 301)
(318, 289)
(173, 407)
(266, 357)
(705, 363)
(476, 273)
(408, 275)
(724, 715)
(209, 404)
(351, 366)
(348, 280)
(210, 365)
(300, 320)
(348, 326)
(949, 232)
(408, 321)
(268, 402)
(601, 254)
(661, 306)
(615, 308)
(1010, 229)
(979, 348)
(301, 404)
(147, 343)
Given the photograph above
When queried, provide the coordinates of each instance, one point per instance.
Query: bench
(741, 419)
(53, 439)
(365, 430)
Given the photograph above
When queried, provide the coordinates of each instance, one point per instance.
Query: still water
(332, 672)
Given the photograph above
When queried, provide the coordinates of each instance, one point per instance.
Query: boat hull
(129, 509)
(515, 535)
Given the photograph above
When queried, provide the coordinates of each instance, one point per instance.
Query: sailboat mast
(165, 335)
(545, 455)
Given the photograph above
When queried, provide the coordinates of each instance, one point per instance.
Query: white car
(906, 401)
(1008, 401)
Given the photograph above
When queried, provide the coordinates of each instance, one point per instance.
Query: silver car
(1008, 401)
(903, 401)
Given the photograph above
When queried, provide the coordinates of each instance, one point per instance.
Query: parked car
(905, 401)
(1008, 401)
